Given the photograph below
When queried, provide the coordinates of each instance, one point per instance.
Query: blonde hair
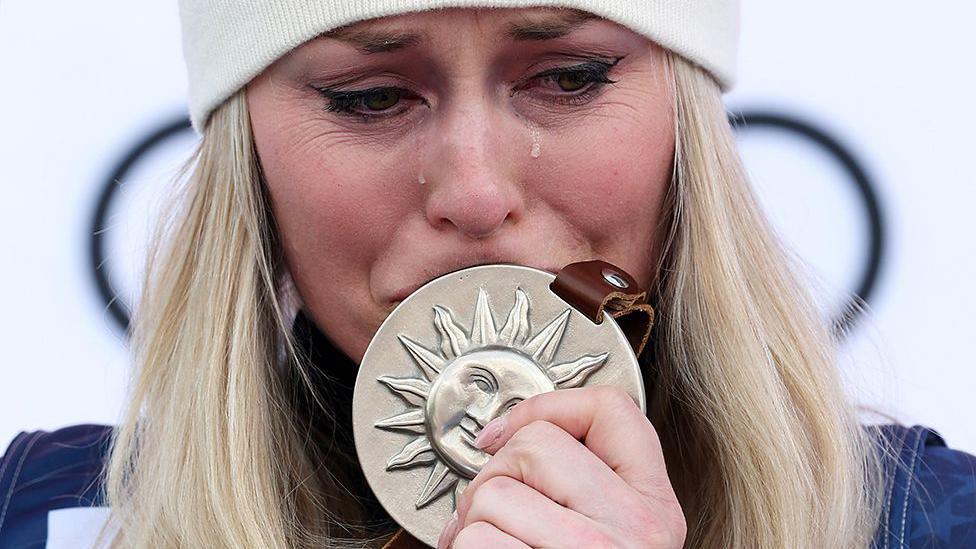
(763, 447)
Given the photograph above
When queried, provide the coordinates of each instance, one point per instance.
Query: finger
(482, 535)
(548, 459)
(605, 418)
(522, 512)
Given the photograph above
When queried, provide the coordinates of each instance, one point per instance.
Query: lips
(402, 293)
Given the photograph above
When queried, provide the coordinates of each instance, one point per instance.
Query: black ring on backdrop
(98, 255)
(877, 238)
(741, 122)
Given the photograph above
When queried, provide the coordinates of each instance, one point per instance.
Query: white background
(82, 82)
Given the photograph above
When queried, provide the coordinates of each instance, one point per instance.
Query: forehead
(392, 33)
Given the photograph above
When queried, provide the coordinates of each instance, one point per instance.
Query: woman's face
(399, 149)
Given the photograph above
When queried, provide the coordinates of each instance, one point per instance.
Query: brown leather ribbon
(593, 287)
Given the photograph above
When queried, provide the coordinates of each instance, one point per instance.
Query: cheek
(618, 183)
(325, 184)
(328, 198)
(335, 205)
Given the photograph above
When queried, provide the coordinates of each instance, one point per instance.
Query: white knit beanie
(226, 43)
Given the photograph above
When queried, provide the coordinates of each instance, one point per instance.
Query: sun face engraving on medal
(471, 378)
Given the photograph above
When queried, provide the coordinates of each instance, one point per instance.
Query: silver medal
(455, 354)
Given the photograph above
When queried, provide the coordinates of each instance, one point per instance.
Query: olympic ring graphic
(866, 192)
(98, 258)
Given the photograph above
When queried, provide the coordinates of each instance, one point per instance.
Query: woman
(352, 152)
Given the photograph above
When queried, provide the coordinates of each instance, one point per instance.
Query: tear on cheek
(536, 150)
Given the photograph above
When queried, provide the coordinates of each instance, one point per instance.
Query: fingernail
(447, 534)
(490, 433)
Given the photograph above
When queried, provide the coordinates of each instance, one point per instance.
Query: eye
(482, 384)
(382, 99)
(580, 83)
(369, 104)
(577, 76)
(484, 380)
(572, 81)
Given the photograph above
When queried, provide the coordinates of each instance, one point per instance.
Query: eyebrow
(369, 41)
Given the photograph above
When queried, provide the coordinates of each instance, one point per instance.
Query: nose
(479, 416)
(483, 414)
(468, 177)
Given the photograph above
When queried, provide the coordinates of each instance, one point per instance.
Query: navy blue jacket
(932, 502)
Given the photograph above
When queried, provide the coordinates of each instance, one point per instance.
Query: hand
(578, 467)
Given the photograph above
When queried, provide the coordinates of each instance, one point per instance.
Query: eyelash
(595, 72)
